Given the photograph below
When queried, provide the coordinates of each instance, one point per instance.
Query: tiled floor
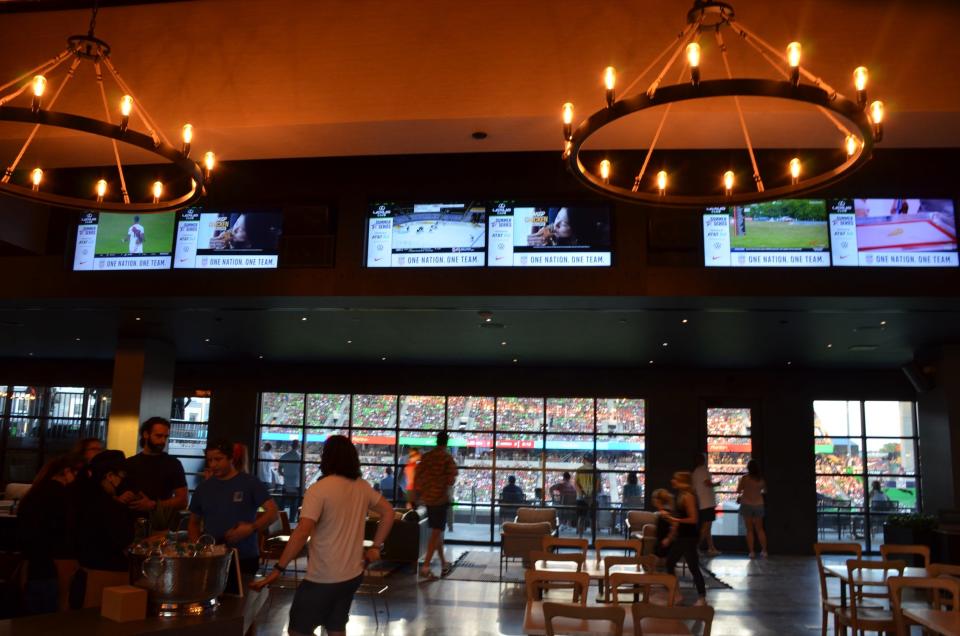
(778, 596)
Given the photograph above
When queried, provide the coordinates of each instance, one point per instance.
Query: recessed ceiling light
(384, 358)
(789, 363)
(516, 360)
(77, 339)
(651, 362)
(883, 323)
(304, 319)
(137, 318)
(30, 354)
(666, 344)
(349, 341)
(206, 339)
(479, 134)
(503, 344)
(829, 346)
(260, 357)
(684, 321)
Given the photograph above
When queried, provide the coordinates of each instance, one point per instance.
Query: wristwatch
(279, 568)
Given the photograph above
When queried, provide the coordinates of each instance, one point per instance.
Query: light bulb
(157, 191)
(851, 145)
(728, 181)
(126, 105)
(876, 112)
(795, 170)
(610, 81)
(567, 121)
(793, 54)
(36, 177)
(693, 54)
(860, 77)
(662, 181)
(610, 77)
(187, 133)
(101, 189)
(605, 170)
(209, 161)
(39, 85)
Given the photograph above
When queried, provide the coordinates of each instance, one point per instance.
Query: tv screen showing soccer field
(787, 233)
(239, 239)
(113, 241)
(549, 236)
(426, 235)
(893, 232)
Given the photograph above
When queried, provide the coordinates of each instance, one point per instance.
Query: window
(537, 440)
(40, 423)
(189, 418)
(866, 464)
(729, 448)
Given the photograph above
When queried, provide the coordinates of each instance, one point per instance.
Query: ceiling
(289, 78)
(542, 331)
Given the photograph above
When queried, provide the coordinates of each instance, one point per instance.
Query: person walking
(434, 476)
(703, 486)
(751, 489)
(267, 466)
(684, 544)
(290, 471)
(585, 481)
(409, 477)
(335, 508)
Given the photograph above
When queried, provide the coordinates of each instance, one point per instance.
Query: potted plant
(909, 529)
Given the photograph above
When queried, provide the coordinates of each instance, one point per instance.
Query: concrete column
(233, 415)
(142, 388)
(939, 422)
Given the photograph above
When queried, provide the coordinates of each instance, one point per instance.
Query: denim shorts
(326, 604)
(748, 511)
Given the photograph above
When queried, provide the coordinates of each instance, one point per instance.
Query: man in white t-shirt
(703, 485)
(135, 237)
(333, 516)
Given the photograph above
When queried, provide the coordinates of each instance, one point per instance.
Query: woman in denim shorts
(751, 488)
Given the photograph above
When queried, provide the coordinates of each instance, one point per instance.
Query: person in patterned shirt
(435, 474)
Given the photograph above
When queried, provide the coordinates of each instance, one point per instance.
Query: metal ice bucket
(179, 580)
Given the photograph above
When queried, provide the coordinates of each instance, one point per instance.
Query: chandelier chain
(93, 18)
(116, 151)
(155, 131)
(656, 60)
(736, 101)
(43, 69)
(656, 136)
(36, 127)
(694, 30)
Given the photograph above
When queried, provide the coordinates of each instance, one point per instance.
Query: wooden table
(875, 578)
(592, 568)
(939, 621)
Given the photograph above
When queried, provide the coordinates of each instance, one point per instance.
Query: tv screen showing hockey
(549, 236)
(240, 239)
(787, 233)
(426, 235)
(893, 232)
(114, 241)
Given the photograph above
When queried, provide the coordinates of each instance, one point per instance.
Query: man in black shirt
(290, 471)
(158, 486)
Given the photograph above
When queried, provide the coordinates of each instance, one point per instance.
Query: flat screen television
(786, 233)
(895, 232)
(426, 235)
(523, 235)
(227, 239)
(109, 241)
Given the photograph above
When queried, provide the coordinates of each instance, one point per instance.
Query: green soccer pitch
(157, 233)
(783, 235)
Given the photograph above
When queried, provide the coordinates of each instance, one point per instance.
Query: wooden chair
(558, 562)
(584, 616)
(652, 618)
(272, 545)
(640, 564)
(888, 549)
(858, 616)
(829, 603)
(936, 586)
(945, 570)
(554, 544)
(644, 582)
(627, 545)
(539, 580)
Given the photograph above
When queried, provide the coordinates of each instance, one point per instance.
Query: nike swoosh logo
(716, 258)
(377, 259)
(500, 258)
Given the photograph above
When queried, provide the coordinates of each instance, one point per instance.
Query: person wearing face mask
(105, 529)
(156, 481)
(45, 533)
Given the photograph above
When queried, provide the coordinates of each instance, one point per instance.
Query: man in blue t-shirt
(227, 504)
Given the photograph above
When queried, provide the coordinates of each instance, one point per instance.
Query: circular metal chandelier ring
(710, 13)
(88, 47)
(664, 95)
(186, 166)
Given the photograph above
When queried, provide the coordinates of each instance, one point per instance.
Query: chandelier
(41, 87)
(858, 125)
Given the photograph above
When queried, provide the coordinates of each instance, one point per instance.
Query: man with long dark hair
(157, 483)
(333, 516)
